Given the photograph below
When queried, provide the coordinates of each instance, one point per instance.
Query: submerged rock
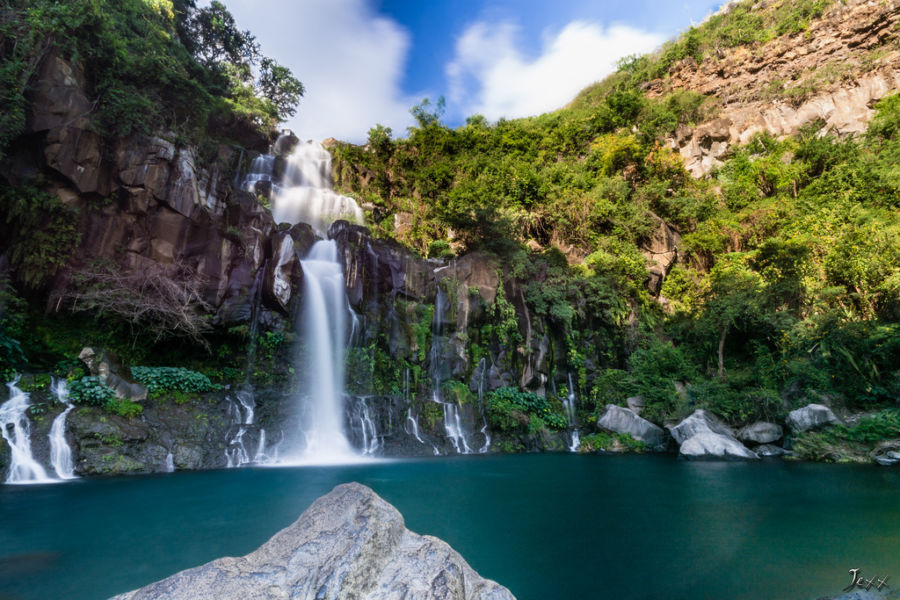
(623, 420)
(811, 416)
(708, 445)
(699, 421)
(348, 544)
(769, 451)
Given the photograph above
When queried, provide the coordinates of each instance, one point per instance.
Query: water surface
(546, 526)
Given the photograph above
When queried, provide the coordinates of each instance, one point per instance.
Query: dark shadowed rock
(811, 416)
(348, 544)
(769, 450)
(623, 420)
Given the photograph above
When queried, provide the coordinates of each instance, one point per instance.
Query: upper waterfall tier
(304, 194)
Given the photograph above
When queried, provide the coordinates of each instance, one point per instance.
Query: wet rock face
(348, 544)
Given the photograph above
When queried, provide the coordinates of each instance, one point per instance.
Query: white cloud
(350, 60)
(489, 74)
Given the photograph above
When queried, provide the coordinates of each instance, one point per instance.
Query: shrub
(90, 390)
(511, 409)
(608, 441)
(177, 379)
(124, 408)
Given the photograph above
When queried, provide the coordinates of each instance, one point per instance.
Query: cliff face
(830, 75)
(145, 204)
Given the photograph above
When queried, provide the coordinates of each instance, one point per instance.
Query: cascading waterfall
(60, 452)
(364, 426)
(23, 468)
(325, 314)
(569, 406)
(305, 194)
(482, 365)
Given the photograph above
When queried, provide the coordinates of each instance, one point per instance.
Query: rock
(624, 420)
(709, 445)
(887, 454)
(348, 544)
(635, 403)
(769, 450)
(811, 416)
(699, 421)
(761, 432)
(113, 373)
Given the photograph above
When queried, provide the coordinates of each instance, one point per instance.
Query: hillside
(724, 211)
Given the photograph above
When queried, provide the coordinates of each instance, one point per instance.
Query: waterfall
(60, 452)
(305, 194)
(569, 406)
(23, 468)
(325, 311)
(170, 463)
(364, 427)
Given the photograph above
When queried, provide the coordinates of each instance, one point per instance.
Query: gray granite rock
(811, 416)
(349, 544)
(761, 432)
(623, 420)
(708, 445)
(699, 421)
(769, 450)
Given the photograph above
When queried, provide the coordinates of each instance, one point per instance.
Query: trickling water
(569, 406)
(260, 456)
(482, 364)
(60, 452)
(456, 433)
(23, 468)
(362, 422)
(241, 414)
(170, 463)
(305, 194)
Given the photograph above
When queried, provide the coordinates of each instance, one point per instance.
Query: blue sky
(368, 61)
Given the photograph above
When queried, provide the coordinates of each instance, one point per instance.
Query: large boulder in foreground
(811, 416)
(708, 445)
(623, 420)
(349, 544)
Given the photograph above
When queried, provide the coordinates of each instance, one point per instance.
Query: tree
(214, 37)
(279, 86)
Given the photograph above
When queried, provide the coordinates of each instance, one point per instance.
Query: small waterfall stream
(60, 452)
(23, 468)
(569, 406)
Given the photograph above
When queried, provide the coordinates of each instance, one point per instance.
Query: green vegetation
(841, 443)
(511, 409)
(787, 283)
(160, 380)
(149, 65)
(617, 442)
(91, 391)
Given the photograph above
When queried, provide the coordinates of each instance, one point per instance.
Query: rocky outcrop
(811, 416)
(761, 432)
(113, 374)
(623, 420)
(709, 445)
(699, 421)
(145, 202)
(348, 544)
(831, 74)
(887, 454)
